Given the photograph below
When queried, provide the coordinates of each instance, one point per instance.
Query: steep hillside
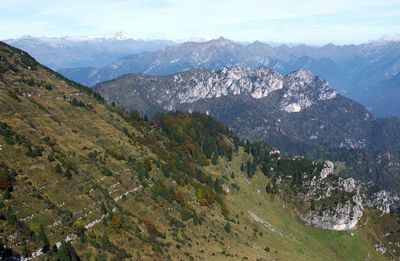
(299, 113)
(81, 178)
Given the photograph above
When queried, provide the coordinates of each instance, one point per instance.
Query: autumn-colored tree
(187, 146)
(116, 221)
(147, 164)
(152, 229)
(4, 182)
(179, 197)
(79, 228)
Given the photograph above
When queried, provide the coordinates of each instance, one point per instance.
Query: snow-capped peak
(121, 36)
(221, 41)
(389, 38)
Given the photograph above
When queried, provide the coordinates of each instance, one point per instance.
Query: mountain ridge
(353, 70)
(64, 52)
(298, 113)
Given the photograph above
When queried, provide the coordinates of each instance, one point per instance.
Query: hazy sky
(307, 21)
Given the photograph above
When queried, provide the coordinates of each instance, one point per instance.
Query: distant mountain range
(73, 52)
(299, 113)
(365, 72)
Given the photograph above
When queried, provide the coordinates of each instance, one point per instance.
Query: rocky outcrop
(384, 201)
(343, 200)
(344, 216)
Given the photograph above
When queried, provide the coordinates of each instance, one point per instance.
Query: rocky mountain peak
(232, 72)
(221, 41)
(302, 76)
(300, 89)
(303, 89)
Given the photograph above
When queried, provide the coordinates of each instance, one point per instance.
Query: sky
(284, 21)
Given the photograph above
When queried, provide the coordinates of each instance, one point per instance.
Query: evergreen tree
(165, 170)
(229, 154)
(268, 188)
(44, 239)
(214, 159)
(58, 168)
(67, 252)
(200, 176)
(250, 168)
(25, 250)
(7, 194)
(210, 181)
(134, 116)
(227, 227)
(247, 146)
(242, 167)
(101, 257)
(218, 185)
(209, 147)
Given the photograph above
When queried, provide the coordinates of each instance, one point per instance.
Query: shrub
(6, 130)
(34, 152)
(7, 195)
(58, 168)
(71, 164)
(76, 103)
(147, 164)
(92, 155)
(116, 152)
(227, 227)
(186, 214)
(176, 223)
(50, 158)
(106, 172)
(79, 228)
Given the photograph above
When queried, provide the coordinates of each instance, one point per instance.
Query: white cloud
(285, 20)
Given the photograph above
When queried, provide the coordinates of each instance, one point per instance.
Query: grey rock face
(385, 201)
(345, 214)
(300, 89)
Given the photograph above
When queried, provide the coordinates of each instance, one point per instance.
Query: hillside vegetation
(83, 180)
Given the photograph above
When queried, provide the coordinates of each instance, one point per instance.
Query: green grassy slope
(72, 166)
